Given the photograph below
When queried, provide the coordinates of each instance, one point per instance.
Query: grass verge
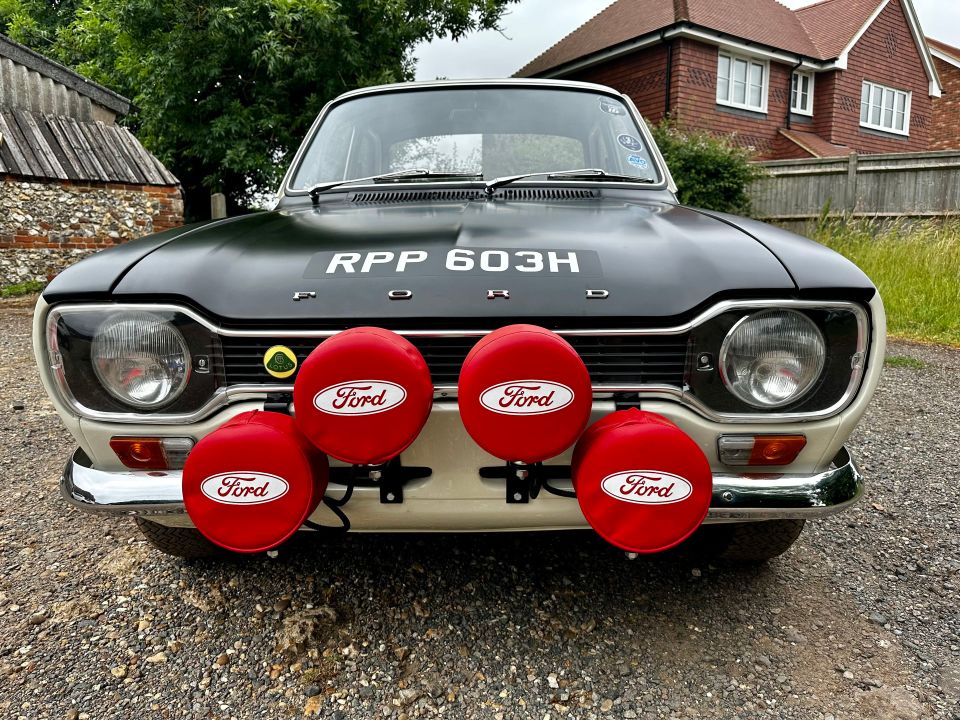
(25, 288)
(915, 265)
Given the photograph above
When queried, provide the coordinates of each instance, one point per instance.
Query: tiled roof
(832, 24)
(814, 144)
(820, 31)
(61, 148)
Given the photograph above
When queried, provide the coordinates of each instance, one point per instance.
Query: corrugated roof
(54, 147)
(63, 75)
(819, 32)
(832, 24)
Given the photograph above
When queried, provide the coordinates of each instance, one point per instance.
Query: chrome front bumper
(736, 498)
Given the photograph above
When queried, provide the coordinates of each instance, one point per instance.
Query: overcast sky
(531, 26)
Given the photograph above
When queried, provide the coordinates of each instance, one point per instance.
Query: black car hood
(655, 260)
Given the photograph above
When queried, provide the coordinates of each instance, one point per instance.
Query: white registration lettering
(487, 257)
(533, 261)
(375, 258)
(343, 260)
(555, 261)
(409, 257)
(460, 259)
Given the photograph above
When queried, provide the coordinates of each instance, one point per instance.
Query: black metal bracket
(523, 482)
(389, 477)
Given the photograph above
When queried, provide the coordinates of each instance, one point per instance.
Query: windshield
(487, 132)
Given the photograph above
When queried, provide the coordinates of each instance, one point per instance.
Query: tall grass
(916, 266)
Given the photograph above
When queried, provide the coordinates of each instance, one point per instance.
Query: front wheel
(177, 541)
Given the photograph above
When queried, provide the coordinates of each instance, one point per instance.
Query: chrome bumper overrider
(736, 498)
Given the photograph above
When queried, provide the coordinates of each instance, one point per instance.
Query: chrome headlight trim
(237, 393)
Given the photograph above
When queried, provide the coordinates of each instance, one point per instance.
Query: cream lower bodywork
(455, 497)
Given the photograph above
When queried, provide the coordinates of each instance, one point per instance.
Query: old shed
(73, 181)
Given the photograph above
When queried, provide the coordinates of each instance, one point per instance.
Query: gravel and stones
(860, 620)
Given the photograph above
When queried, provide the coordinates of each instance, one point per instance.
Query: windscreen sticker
(463, 261)
(629, 142)
(638, 161)
(612, 108)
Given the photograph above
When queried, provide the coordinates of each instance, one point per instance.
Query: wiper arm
(419, 173)
(581, 174)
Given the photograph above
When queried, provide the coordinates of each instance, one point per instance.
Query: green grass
(25, 288)
(903, 361)
(915, 265)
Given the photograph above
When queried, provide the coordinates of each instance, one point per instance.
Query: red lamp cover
(642, 483)
(363, 395)
(524, 394)
(249, 485)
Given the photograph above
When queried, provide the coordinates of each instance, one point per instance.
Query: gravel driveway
(859, 620)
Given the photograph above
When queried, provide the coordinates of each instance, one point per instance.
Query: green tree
(710, 171)
(225, 90)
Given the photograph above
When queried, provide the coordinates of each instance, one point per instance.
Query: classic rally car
(477, 306)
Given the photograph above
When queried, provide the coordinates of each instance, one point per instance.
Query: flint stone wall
(47, 226)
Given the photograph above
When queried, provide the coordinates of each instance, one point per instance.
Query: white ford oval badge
(244, 488)
(647, 487)
(359, 397)
(526, 397)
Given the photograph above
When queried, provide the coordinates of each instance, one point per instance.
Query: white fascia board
(746, 48)
(604, 55)
(949, 59)
(712, 38)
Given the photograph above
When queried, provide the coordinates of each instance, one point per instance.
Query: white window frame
(750, 61)
(795, 108)
(884, 89)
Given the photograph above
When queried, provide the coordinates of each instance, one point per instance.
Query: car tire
(180, 542)
(752, 543)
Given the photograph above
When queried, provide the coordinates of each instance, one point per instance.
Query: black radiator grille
(611, 359)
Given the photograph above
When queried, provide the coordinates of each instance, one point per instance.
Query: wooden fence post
(850, 190)
(218, 206)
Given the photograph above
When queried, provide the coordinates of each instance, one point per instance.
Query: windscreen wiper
(581, 174)
(398, 176)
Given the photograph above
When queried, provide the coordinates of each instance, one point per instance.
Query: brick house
(813, 82)
(72, 181)
(945, 134)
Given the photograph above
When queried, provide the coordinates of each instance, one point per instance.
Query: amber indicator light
(776, 449)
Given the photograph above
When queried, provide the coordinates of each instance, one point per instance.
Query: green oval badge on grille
(280, 361)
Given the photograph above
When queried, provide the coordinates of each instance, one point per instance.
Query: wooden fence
(913, 185)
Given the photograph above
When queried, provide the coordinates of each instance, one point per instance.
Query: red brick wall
(83, 216)
(945, 133)
(641, 75)
(695, 75)
(886, 54)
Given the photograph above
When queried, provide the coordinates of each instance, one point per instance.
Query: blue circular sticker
(629, 142)
(638, 161)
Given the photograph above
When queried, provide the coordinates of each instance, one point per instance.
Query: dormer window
(801, 94)
(884, 108)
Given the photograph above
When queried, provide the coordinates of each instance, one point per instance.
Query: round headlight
(772, 358)
(140, 359)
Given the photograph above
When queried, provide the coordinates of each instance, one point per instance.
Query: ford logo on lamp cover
(647, 487)
(526, 397)
(244, 488)
(359, 397)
